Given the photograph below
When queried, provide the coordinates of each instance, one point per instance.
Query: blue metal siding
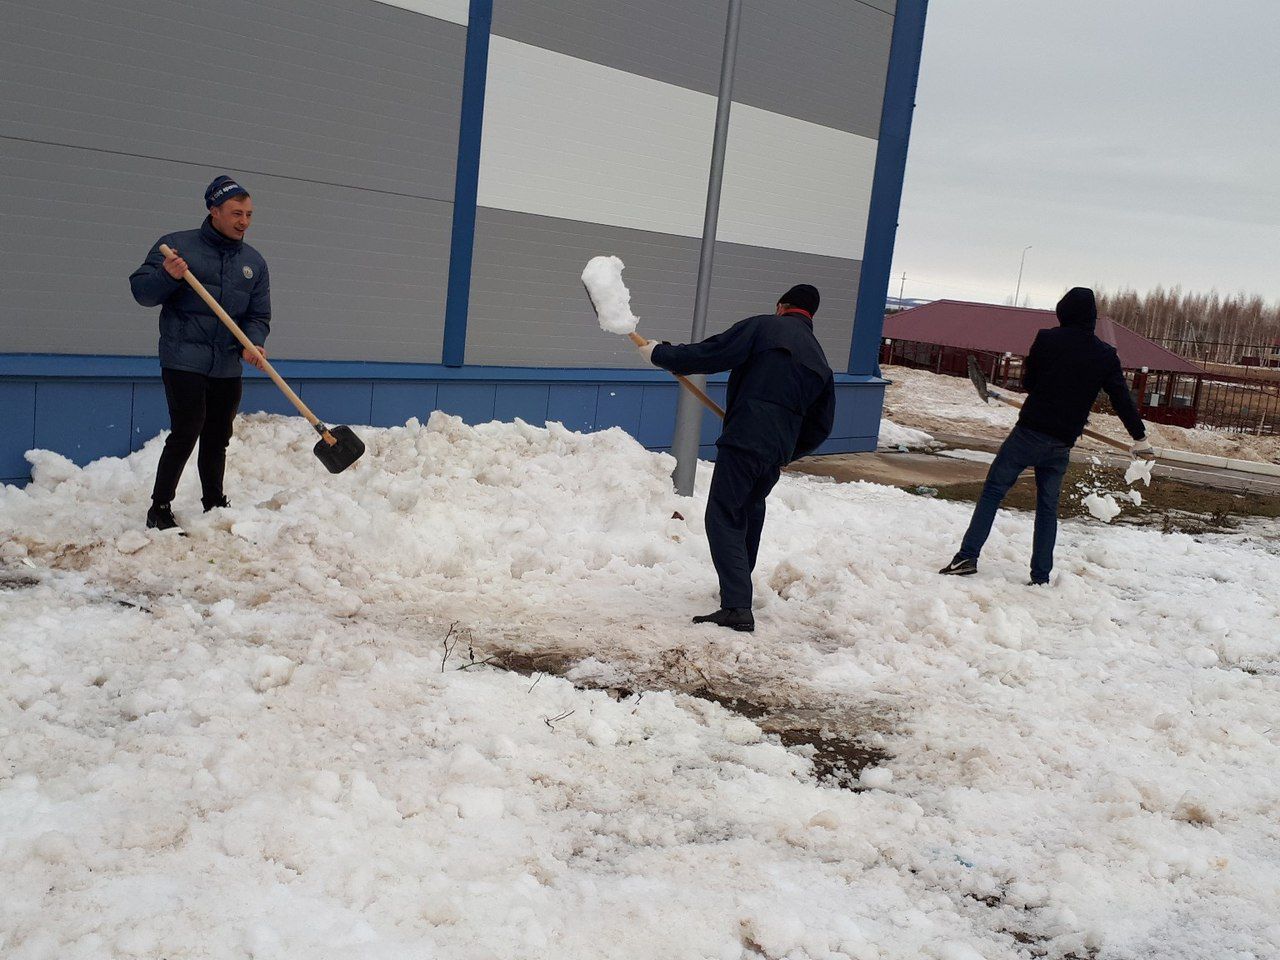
(395, 403)
(886, 187)
(77, 408)
(466, 182)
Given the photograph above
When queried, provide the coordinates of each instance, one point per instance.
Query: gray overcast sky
(1129, 142)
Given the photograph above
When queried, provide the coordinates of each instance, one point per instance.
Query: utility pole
(902, 286)
(684, 444)
(1018, 289)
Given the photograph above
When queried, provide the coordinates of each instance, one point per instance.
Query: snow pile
(271, 739)
(610, 296)
(893, 436)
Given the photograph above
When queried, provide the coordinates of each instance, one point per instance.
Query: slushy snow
(206, 752)
(610, 296)
(893, 436)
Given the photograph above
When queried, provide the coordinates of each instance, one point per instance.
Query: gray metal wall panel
(528, 306)
(348, 92)
(819, 60)
(356, 274)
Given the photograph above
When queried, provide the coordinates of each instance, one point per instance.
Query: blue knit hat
(221, 190)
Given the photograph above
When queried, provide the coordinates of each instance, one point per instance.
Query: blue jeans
(1023, 448)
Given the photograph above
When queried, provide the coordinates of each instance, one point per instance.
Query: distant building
(939, 336)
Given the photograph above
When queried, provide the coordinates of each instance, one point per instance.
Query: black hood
(1078, 309)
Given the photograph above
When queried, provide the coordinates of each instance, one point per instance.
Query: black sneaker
(735, 618)
(960, 567)
(160, 517)
(215, 504)
(1037, 583)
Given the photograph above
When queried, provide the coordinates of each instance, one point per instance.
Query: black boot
(735, 618)
(160, 517)
(215, 504)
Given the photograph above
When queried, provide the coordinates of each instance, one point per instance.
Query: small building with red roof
(939, 336)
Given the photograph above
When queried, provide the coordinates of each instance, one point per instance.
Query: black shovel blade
(338, 456)
(979, 381)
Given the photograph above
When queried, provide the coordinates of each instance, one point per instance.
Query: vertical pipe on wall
(475, 71)
(886, 189)
(689, 412)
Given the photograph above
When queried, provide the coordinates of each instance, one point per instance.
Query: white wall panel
(569, 138)
(795, 185)
(577, 140)
(455, 11)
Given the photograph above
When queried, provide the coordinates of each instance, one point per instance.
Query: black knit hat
(1077, 308)
(221, 190)
(804, 296)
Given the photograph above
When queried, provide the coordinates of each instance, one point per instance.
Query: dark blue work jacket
(781, 400)
(191, 335)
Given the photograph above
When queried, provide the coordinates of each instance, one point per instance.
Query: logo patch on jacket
(248, 273)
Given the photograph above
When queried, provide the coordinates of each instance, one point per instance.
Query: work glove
(646, 351)
(1142, 450)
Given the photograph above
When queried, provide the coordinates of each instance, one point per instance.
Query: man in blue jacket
(780, 406)
(1065, 369)
(199, 357)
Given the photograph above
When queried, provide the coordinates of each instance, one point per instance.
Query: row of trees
(1201, 326)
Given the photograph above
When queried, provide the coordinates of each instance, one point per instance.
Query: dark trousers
(200, 408)
(1023, 448)
(735, 516)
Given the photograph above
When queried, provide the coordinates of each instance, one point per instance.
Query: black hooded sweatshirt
(1066, 368)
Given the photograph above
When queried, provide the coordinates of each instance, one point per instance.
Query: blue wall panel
(473, 402)
(657, 415)
(573, 405)
(262, 396)
(619, 406)
(528, 401)
(395, 402)
(150, 413)
(89, 407)
(339, 401)
(18, 433)
(84, 421)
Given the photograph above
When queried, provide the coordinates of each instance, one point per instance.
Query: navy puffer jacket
(781, 400)
(191, 336)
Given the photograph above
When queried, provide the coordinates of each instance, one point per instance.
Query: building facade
(429, 179)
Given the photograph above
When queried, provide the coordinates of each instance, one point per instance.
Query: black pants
(200, 408)
(735, 516)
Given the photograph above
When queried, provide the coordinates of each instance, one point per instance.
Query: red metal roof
(996, 329)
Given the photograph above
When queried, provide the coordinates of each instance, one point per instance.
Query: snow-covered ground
(938, 404)
(242, 743)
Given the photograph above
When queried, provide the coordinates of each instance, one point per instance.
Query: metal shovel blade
(979, 381)
(338, 456)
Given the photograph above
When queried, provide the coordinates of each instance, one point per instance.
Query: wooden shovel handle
(685, 382)
(1101, 437)
(248, 344)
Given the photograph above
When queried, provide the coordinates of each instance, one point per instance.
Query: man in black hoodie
(780, 406)
(1065, 369)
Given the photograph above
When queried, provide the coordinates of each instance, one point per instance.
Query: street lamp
(1018, 289)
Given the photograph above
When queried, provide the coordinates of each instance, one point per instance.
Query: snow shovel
(1162, 453)
(338, 447)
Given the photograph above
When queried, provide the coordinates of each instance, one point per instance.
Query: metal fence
(1228, 352)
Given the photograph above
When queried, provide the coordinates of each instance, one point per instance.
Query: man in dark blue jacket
(1065, 369)
(780, 406)
(199, 357)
